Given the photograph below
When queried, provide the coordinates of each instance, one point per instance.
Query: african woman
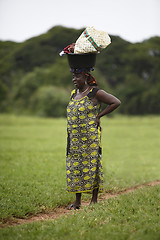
(84, 171)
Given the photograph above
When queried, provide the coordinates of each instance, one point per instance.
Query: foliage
(3, 96)
(129, 71)
(6, 47)
(34, 87)
(46, 99)
(38, 51)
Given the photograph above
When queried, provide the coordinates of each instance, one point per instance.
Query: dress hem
(85, 191)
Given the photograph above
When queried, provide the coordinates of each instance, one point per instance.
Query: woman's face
(79, 80)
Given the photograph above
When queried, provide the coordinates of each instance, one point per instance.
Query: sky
(133, 20)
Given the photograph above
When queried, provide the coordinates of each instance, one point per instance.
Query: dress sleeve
(92, 93)
(72, 93)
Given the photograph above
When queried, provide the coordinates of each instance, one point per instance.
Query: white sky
(133, 20)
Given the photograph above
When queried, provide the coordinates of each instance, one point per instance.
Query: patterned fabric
(91, 41)
(83, 163)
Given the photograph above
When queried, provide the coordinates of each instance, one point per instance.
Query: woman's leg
(94, 196)
(78, 200)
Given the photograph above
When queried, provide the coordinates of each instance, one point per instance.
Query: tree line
(34, 79)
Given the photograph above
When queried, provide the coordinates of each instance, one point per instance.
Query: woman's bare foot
(77, 203)
(74, 206)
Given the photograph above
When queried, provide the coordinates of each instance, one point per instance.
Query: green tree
(49, 101)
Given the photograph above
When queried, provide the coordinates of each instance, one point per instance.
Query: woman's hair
(91, 80)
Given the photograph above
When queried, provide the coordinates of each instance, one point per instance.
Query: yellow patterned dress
(83, 162)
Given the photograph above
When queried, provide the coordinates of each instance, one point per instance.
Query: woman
(83, 163)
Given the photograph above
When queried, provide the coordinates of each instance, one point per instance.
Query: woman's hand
(98, 122)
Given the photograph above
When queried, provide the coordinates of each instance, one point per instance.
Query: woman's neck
(83, 90)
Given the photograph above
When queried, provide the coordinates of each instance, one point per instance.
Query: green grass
(32, 160)
(133, 216)
(131, 151)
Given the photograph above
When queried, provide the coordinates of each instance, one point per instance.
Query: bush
(49, 101)
(3, 96)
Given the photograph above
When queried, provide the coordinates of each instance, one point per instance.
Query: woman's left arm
(110, 100)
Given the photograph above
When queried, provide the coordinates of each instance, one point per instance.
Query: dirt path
(58, 212)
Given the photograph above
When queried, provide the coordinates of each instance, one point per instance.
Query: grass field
(135, 216)
(32, 171)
